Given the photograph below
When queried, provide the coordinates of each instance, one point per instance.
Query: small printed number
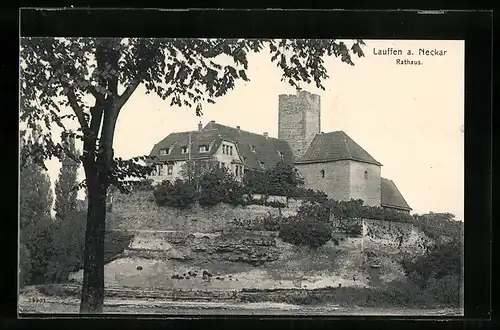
(36, 300)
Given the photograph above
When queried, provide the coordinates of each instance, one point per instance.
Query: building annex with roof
(331, 162)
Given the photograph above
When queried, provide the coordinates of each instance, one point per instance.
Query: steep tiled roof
(266, 148)
(391, 196)
(175, 141)
(335, 146)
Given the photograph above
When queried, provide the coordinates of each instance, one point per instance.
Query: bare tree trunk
(93, 271)
(92, 299)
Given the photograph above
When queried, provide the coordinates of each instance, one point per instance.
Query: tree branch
(122, 99)
(77, 109)
(95, 122)
(99, 97)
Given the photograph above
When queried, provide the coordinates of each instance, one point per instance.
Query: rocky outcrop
(252, 249)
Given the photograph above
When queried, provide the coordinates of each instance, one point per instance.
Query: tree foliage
(24, 264)
(306, 231)
(66, 186)
(193, 170)
(440, 225)
(179, 194)
(35, 195)
(279, 180)
(439, 271)
(218, 185)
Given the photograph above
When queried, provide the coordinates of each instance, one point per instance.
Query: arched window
(366, 174)
(322, 172)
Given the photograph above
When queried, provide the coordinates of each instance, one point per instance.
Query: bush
(115, 243)
(24, 264)
(180, 194)
(54, 250)
(38, 239)
(264, 202)
(318, 206)
(216, 186)
(306, 231)
(143, 185)
(438, 271)
(279, 180)
(314, 211)
(439, 225)
(69, 238)
(219, 186)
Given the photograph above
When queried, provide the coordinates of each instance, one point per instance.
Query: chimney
(266, 135)
(200, 126)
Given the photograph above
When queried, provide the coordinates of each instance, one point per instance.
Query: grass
(399, 295)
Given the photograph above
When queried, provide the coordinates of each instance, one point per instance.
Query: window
(261, 164)
(170, 169)
(366, 174)
(231, 150)
(164, 152)
(184, 150)
(159, 170)
(239, 171)
(224, 149)
(204, 148)
(322, 172)
(280, 155)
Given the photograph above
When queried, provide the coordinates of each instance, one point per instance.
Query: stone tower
(299, 118)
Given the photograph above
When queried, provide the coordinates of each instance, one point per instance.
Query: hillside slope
(203, 249)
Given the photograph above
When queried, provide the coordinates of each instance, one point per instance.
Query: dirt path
(54, 305)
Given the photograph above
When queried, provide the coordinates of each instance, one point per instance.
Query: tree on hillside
(35, 195)
(280, 179)
(62, 73)
(66, 184)
(193, 170)
(440, 225)
(35, 203)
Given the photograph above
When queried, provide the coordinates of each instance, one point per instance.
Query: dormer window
(366, 175)
(261, 164)
(184, 150)
(252, 147)
(322, 173)
(204, 148)
(164, 152)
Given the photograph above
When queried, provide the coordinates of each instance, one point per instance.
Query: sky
(408, 117)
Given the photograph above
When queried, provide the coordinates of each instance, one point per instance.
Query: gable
(192, 140)
(335, 146)
(254, 148)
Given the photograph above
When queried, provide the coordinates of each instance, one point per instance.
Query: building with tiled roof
(331, 162)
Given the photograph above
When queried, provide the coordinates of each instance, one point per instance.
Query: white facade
(225, 155)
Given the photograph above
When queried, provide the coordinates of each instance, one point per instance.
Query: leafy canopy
(66, 184)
